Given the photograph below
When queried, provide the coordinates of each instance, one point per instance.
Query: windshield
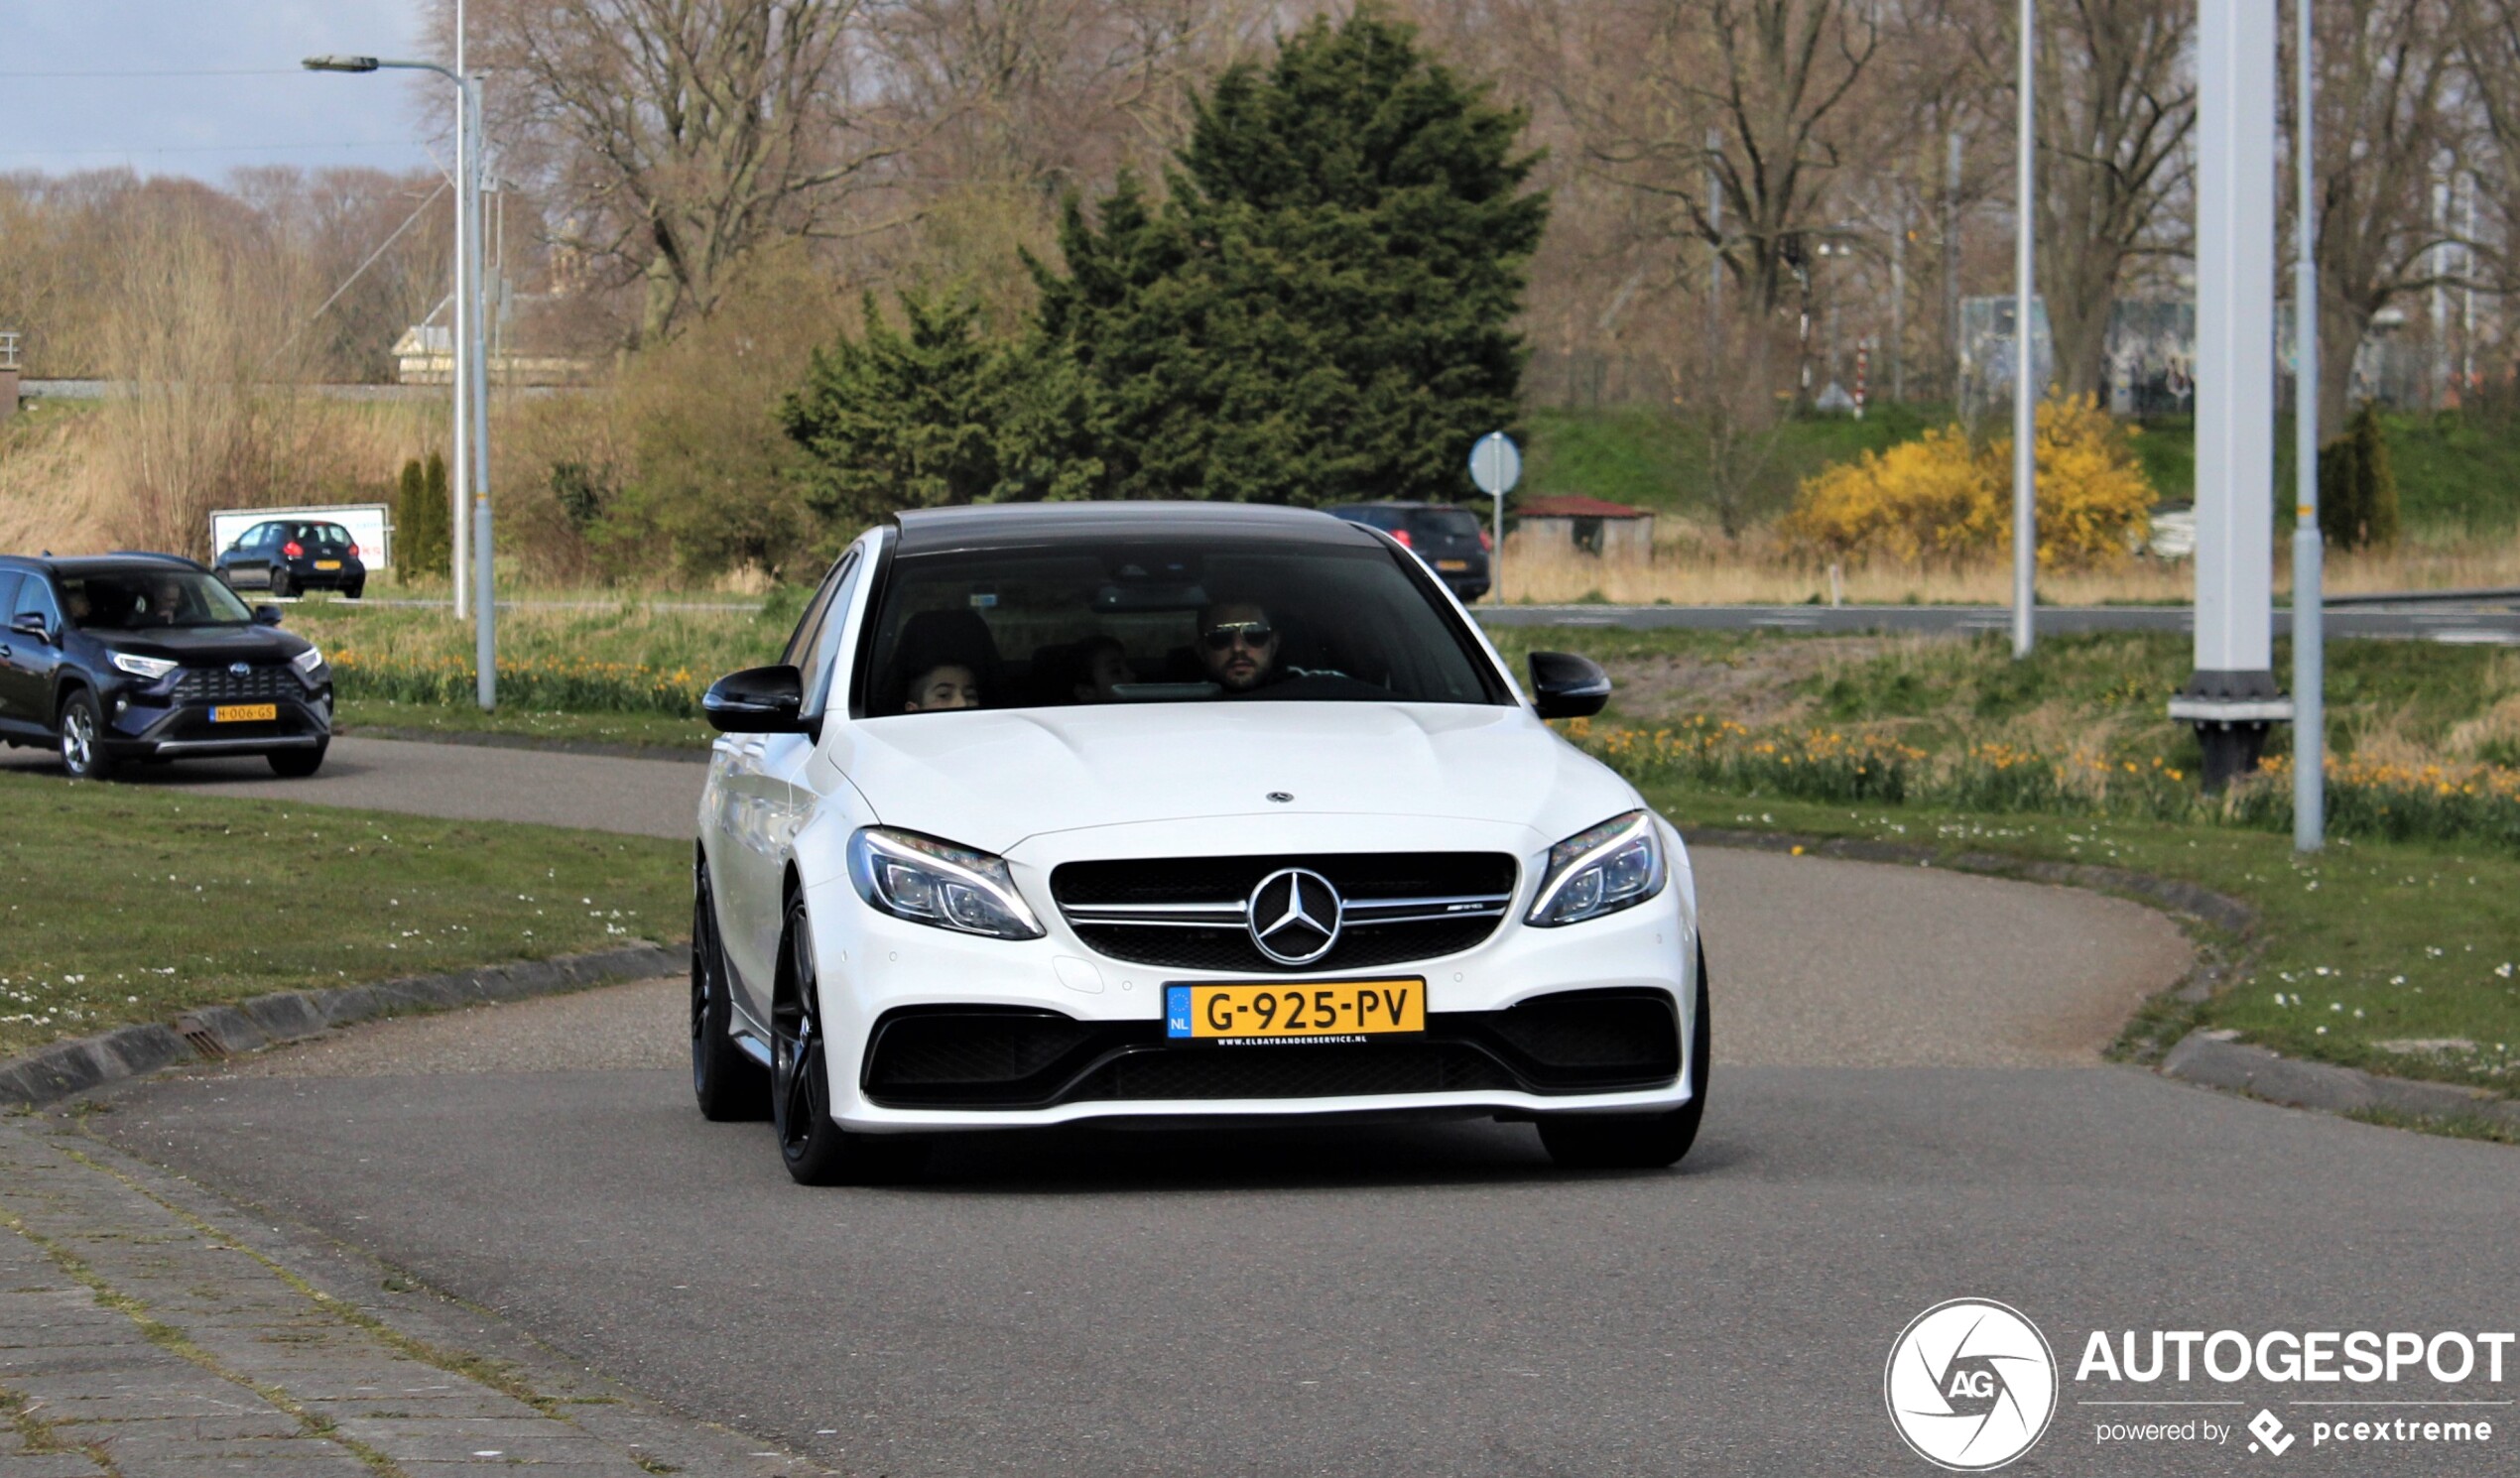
(1163, 623)
(323, 535)
(145, 599)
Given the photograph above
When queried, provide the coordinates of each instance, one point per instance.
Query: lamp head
(341, 64)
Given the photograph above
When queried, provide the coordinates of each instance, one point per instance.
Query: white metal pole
(486, 603)
(2310, 622)
(2025, 340)
(459, 568)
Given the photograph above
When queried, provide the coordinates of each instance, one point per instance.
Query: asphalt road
(2491, 624)
(1908, 1107)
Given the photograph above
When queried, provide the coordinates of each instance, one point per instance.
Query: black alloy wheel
(1638, 1140)
(82, 738)
(298, 764)
(725, 1079)
(818, 1151)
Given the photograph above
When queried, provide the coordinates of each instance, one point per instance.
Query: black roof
(982, 526)
(98, 564)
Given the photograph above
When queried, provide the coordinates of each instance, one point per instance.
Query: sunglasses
(1253, 634)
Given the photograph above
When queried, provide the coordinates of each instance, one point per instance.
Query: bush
(424, 534)
(1942, 498)
(2357, 486)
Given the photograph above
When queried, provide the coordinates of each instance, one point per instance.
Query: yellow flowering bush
(1942, 498)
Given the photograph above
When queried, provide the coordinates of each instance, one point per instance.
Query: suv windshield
(1162, 622)
(143, 599)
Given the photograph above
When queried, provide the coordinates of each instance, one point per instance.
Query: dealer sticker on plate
(1247, 1012)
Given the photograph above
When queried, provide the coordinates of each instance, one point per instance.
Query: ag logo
(1970, 1384)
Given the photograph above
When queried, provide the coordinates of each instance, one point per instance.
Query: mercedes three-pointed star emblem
(1294, 915)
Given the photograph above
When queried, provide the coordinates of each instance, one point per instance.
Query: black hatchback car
(117, 658)
(288, 556)
(1449, 540)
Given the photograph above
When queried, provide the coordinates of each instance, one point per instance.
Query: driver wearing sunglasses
(1237, 646)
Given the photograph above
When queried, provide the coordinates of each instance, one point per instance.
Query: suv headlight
(145, 668)
(1615, 865)
(307, 661)
(931, 882)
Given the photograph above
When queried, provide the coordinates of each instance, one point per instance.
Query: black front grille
(1361, 878)
(261, 682)
(1335, 1071)
(1575, 1041)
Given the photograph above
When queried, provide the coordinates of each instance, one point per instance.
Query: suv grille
(1192, 913)
(219, 685)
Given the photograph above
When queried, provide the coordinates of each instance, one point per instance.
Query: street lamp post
(473, 425)
(2025, 417)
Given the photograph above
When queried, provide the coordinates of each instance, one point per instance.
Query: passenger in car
(1239, 646)
(945, 685)
(1103, 665)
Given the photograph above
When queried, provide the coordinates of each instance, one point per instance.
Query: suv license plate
(1234, 1014)
(245, 713)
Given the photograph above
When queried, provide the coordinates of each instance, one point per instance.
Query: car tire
(818, 1152)
(1638, 1140)
(298, 764)
(278, 584)
(82, 732)
(355, 591)
(725, 1079)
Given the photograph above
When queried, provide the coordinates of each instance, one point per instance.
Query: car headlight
(307, 661)
(1615, 865)
(931, 882)
(145, 668)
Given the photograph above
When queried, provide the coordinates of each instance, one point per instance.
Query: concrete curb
(213, 1032)
(2215, 1060)
(675, 753)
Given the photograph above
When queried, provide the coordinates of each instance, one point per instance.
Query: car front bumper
(878, 972)
(144, 726)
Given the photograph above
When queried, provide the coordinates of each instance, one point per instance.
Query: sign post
(1496, 465)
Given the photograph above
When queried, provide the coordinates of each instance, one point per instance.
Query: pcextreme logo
(1972, 1385)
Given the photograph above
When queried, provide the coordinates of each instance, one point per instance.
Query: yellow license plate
(327, 564)
(1451, 566)
(245, 713)
(1312, 1008)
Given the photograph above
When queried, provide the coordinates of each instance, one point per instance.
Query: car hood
(202, 646)
(990, 780)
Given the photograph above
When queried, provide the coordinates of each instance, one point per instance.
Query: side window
(34, 597)
(8, 593)
(821, 656)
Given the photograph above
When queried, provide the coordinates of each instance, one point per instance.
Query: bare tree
(1725, 109)
(2117, 102)
(689, 131)
(2388, 73)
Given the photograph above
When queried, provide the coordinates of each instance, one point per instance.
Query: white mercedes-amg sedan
(1186, 814)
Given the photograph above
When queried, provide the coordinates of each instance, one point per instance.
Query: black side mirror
(266, 615)
(1565, 686)
(757, 701)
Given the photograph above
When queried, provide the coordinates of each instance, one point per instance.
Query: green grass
(649, 730)
(2368, 942)
(1648, 458)
(2459, 474)
(126, 904)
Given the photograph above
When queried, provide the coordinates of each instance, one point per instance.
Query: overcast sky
(224, 89)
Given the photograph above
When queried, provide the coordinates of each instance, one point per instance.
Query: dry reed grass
(1757, 572)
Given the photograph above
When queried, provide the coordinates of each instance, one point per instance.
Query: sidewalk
(150, 1331)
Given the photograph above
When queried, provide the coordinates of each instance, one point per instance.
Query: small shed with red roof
(1589, 526)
